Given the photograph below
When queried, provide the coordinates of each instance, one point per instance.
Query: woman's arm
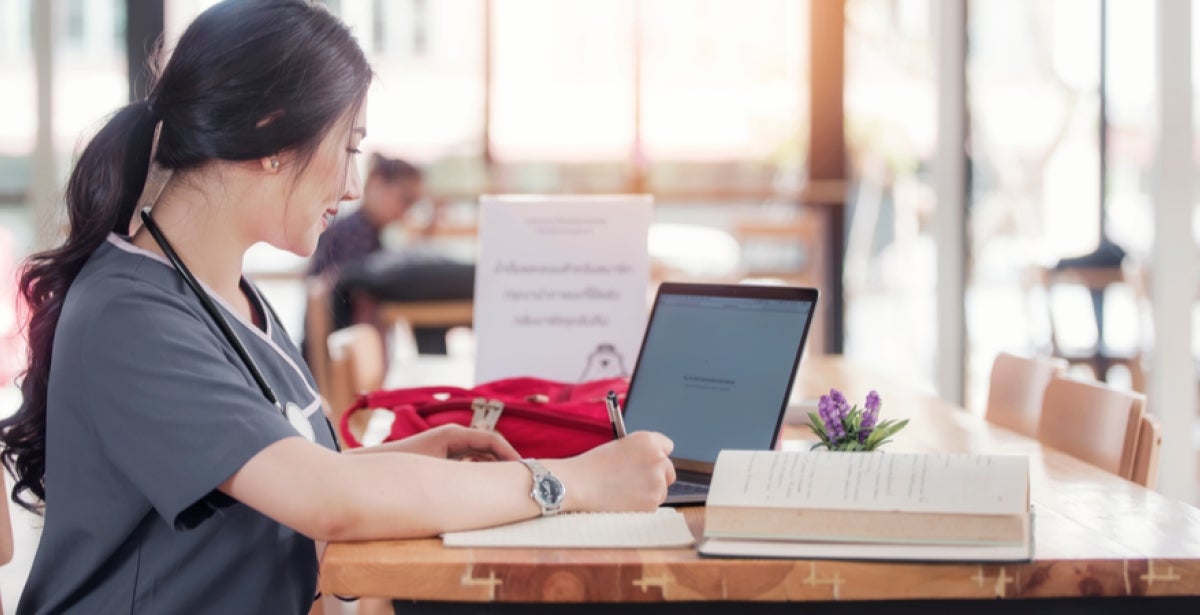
(448, 441)
(328, 496)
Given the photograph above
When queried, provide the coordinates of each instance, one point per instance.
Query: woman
(187, 467)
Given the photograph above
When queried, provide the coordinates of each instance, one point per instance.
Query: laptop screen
(715, 371)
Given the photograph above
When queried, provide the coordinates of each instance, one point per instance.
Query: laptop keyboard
(684, 488)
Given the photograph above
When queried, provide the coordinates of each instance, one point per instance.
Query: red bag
(540, 418)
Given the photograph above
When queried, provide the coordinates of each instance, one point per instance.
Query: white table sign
(560, 286)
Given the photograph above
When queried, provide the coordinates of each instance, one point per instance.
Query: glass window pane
(91, 78)
(426, 103)
(1033, 73)
(891, 131)
(1034, 117)
(562, 80)
(19, 99)
(1130, 93)
(724, 86)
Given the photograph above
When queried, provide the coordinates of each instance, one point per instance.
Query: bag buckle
(485, 413)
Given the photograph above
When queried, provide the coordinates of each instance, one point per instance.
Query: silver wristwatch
(547, 491)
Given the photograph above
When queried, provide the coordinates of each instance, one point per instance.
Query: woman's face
(316, 193)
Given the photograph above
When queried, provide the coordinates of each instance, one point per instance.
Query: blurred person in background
(353, 262)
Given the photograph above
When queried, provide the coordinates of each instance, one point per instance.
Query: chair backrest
(318, 324)
(1145, 460)
(1092, 421)
(356, 364)
(1016, 388)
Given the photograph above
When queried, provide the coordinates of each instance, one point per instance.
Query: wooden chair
(318, 324)
(1016, 388)
(1145, 460)
(356, 364)
(791, 251)
(1092, 421)
(1099, 357)
(781, 238)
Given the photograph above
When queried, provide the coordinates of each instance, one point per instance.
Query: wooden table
(1095, 535)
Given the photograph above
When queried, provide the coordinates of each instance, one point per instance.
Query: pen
(614, 415)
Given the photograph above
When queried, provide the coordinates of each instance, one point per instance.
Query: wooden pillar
(827, 152)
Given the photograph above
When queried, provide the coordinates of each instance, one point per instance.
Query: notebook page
(665, 527)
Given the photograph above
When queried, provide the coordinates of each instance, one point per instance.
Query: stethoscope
(290, 411)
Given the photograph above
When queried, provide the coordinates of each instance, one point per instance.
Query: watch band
(544, 481)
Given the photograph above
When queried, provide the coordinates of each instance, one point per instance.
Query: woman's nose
(353, 184)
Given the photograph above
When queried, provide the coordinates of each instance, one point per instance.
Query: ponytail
(101, 197)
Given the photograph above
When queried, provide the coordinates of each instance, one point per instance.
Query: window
(891, 131)
(379, 29)
(1034, 164)
(698, 100)
(420, 27)
(74, 21)
(724, 102)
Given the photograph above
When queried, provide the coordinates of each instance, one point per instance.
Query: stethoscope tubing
(211, 308)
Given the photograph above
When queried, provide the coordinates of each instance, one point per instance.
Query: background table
(1095, 534)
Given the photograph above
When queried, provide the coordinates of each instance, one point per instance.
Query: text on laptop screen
(714, 371)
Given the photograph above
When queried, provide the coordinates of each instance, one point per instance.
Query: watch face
(550, 490)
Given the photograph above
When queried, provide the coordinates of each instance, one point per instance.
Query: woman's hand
(454, 442)
(627, 474)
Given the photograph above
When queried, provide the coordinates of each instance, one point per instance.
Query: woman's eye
(354, 150)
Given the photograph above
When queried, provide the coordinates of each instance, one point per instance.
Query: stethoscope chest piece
(299, 422)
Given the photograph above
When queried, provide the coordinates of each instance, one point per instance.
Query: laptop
(716, 371)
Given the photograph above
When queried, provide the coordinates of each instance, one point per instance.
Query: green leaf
(883, 431)
(854, 420)
(816, 421)
(890, 427)
(878, 433)
(818, 427)
(817, 446)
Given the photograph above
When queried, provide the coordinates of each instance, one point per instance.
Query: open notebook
(665, 527)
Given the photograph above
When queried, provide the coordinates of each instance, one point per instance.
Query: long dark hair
(248, 79)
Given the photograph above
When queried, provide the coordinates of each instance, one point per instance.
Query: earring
(274, 164)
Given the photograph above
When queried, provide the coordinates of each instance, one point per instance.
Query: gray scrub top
(149, 411)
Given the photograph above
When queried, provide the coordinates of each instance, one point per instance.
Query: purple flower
(832, 410)
(837, 397)
(870, 416)
(873, 401)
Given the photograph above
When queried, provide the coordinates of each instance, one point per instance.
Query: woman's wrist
(576, 497)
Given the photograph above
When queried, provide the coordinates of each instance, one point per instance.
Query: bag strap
(388, 400)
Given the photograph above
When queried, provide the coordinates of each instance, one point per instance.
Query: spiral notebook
(664, 528)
